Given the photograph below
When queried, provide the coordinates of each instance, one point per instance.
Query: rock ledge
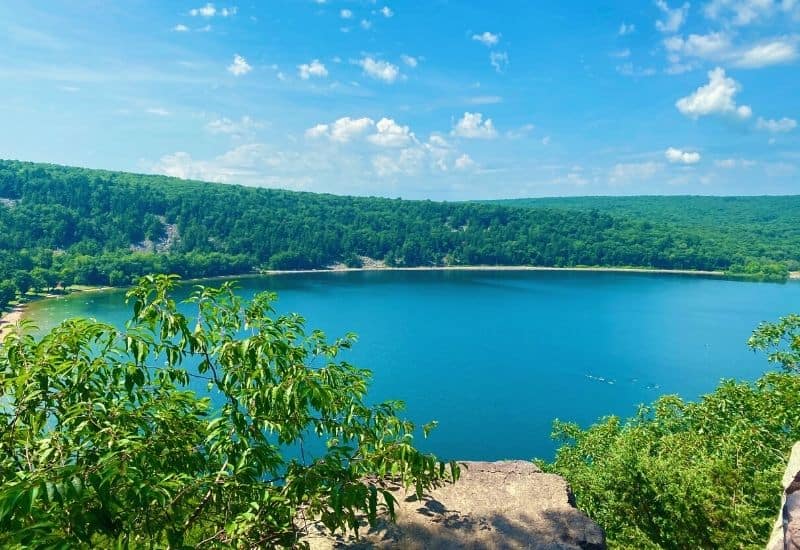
(510, 504)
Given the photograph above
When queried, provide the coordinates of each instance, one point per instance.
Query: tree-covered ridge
(79, 226)
(759, 228)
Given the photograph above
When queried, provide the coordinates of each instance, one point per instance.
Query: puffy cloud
(673, 19)
(473, 126)
(678, 156)
(380, 70)
(346, 14)
(784, 124)
(716, 97)
(180, 28)
(464, 162)
(487, 38)
(345, 129)
(317, 131)
(342, 130)
(209, 10)
(634, 171)
(390, 134)
(386, 11)
(626, 28)
(366, 24)
(239, 66)
(315, 68)
(499, 61)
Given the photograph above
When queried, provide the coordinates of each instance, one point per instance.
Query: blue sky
(435, 99)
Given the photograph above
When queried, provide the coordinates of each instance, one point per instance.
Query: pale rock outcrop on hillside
(495, 505)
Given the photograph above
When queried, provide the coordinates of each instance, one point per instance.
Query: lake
(495, 356)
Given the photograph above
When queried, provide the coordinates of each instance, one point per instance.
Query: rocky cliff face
(786, 532)
(494, 505)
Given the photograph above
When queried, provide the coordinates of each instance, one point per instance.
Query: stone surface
(786, 531)
(495, 505)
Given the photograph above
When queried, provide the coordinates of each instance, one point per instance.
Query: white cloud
(714, 45)
(473, 126)
(716, 97)
(209, 10)
(342, 130)
(677, 156)
(719, 47)
(409, 161)
(774, 52)
(158, 111)
(365, 24)
(409, 60)
(487, 38)
(317, 131)
(521, 132)
(673, 18)
(626, 28)
(784, 124)
(464, 162)
(227, 126)
(745, 12)
(390, 134)
(623, 173)
(621, 54)
(345, 129)
(499, 61)
(180, 28)
(380, 70)
(546, 140)
(346, 14)
(239, 66)
(386, 11)
(315, 68)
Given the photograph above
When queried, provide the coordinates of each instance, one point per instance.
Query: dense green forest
(65, 226)
(763, 226)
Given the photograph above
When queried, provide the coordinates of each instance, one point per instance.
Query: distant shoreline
(498, 268)
(9, 319)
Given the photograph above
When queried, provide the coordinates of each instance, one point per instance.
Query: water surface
(495, 356)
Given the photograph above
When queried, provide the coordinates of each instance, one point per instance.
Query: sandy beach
(9, 320)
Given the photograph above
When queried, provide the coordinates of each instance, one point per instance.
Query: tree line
(61, 226)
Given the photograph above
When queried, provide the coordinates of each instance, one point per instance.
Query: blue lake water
(495, 356)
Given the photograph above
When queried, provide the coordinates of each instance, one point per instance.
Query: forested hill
(72, 225)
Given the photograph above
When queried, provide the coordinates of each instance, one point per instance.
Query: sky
(436, 99)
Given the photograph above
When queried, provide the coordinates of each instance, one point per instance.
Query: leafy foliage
(690, 475)
(103, 443)
(782, 340)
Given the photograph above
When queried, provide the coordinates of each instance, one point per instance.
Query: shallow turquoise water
(496, 356)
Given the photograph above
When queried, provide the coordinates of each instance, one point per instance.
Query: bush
(692, 475)
(103, 443)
